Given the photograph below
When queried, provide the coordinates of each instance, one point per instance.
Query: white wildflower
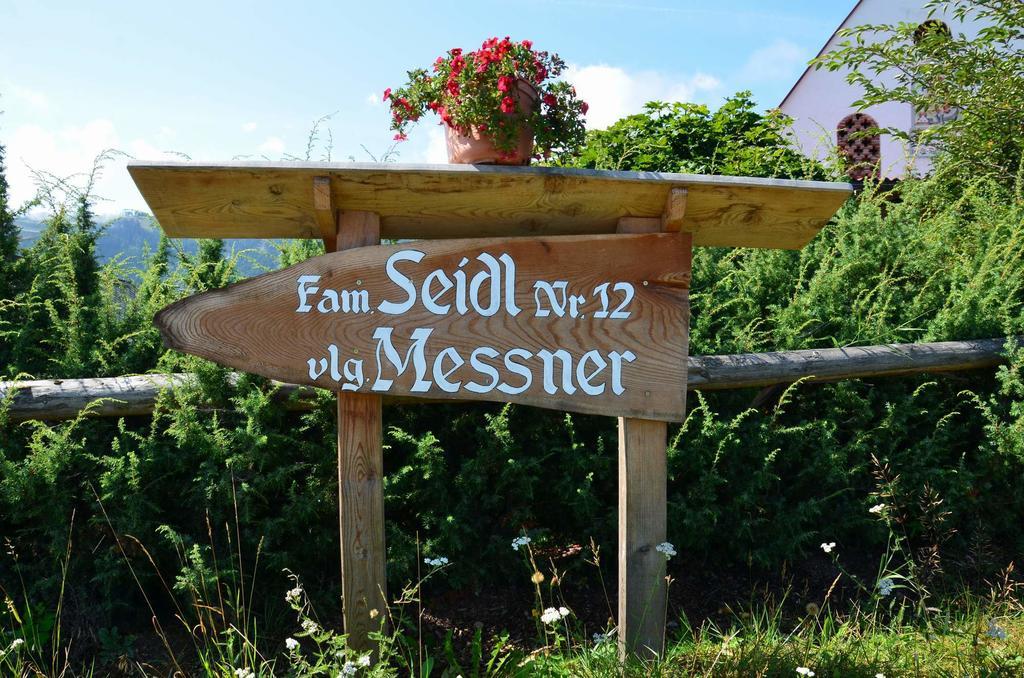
(16, 643)
(349, 669)
(291, 644)
(827, 548)
(877, 508)
(879, 675)
(244, 673)
(885, 586)
(520, 541)
(666, 549)
(554, 615)
(436, 562)
(294, 596)
(804, 671)
(995, 630)
(310, 626)
(364, 660)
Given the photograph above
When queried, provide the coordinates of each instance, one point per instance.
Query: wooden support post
(360, 488)
(643, 479)
(324, 211)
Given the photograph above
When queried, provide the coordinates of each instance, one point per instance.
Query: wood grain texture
(323, 210)
(643, 480)
(273, 200)
(361, 512)
(360, 483)
(643, 591)
(60, 399)
(252, 325)
(675, 211)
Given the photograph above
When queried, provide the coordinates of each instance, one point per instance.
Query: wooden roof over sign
(277, 200)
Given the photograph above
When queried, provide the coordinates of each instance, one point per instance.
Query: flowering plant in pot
(499, 104)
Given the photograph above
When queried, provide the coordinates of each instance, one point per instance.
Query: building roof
(821, 51)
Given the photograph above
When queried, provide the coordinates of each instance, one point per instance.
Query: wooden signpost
(565, 289)
(593, 324)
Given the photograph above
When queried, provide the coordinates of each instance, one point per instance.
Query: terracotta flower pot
(478, 148)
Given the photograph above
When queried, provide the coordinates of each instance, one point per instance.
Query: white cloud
(437, 148)
(69, 153)
(272, 145)
(34, 99)
(613, 92)
(781, 60)
(249, 127)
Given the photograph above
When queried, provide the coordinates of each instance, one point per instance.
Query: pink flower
(400, 136)
(508, 105)
(584, 107)
(527, 44)
(387, 94)
(550, 100)
(453, 88)
(504, 83)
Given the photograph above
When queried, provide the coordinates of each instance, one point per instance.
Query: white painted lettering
(415, 354)
(331, 296)
(402, 280)
(518, 368)
(430, 299)
(305, 291)
(548, 358)
(584, 377)
(617, 359)
(483, 368)
(441, 375)
(491, 275)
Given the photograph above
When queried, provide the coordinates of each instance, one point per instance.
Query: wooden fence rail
(59, 399)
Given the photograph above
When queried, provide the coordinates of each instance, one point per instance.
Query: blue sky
(220, 80)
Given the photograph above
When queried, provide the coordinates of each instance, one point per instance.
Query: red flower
(437, 63)
(455, 52)
(504, 83)
(584, 107)
(508, 105)
(550, 100)
(453, 88)
(446, 117)
(541, 74)
(527, 44)
(434, 106)
(404, 103)
(387, 94)
(400, 136)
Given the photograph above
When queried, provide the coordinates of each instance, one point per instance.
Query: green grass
(960, 642)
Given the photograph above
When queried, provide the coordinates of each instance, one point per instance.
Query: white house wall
(822, 98)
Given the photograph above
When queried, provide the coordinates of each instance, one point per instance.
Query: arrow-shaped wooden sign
(594, 324)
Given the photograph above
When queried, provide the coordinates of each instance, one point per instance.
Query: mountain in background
(132, 234)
